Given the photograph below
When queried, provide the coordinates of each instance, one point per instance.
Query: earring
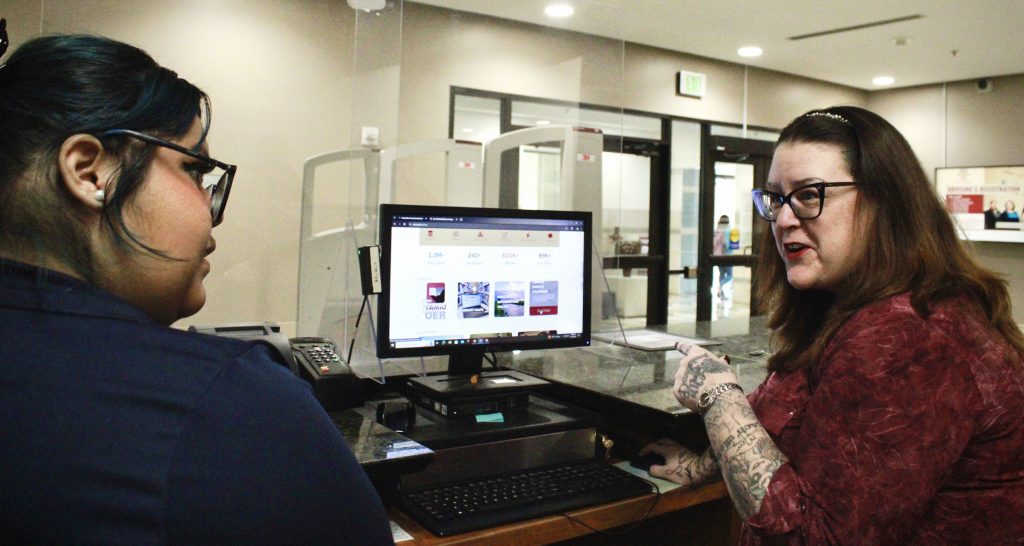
(100, 195)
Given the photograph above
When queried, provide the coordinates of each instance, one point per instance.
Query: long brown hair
(913, 246)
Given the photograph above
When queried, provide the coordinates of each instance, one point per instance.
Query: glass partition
(404, 100)
(530, 113)
(684, 220)
(476, 118)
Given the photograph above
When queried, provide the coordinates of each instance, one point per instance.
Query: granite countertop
(646, 377)
(373, 443)
(640, 377)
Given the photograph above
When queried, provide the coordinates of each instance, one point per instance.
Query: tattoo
(746, 454)
(712, 365)
(695, 471)
(727, 443)
(696, 373)
(693, 380)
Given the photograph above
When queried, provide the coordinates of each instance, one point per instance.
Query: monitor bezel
(386, 216)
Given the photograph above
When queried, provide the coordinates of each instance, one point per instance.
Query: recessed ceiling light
(467, 129)
(559, 10)
(543, 122)
(750, 51)
(883, 80)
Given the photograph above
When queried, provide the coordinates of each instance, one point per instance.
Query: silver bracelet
(708, 397)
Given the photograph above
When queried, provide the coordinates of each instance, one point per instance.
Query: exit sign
(691, 84)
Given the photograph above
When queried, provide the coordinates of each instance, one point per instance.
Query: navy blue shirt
(117, 430)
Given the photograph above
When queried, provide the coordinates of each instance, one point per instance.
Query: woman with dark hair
(893, 412)
(115, 428)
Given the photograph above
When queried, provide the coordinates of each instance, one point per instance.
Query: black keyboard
(480, 503)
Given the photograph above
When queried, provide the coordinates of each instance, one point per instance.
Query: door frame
(657, 261)
(718, 148)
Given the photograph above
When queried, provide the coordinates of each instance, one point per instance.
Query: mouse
(644, 462)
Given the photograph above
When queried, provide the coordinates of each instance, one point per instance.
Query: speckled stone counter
(637, 377)
(646, 377)
(374, 444)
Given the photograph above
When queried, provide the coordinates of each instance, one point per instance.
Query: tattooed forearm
(746, 454)
(698, 470)
(708, 466)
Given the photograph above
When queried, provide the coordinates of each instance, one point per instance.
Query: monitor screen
(465, 281)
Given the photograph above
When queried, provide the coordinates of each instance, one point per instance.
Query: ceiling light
(883, 80)
(467, 129)
(750, 51)
(559, 10)
(543, 122)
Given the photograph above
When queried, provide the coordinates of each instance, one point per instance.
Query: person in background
(722, 247)
(1009, 213)
(893, 410)
(991, 215)
(114, 427)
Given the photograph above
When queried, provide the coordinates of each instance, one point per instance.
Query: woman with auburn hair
(893, 411)
(114, 427)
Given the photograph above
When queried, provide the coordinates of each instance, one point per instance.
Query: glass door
(629, 246)
(730, 235)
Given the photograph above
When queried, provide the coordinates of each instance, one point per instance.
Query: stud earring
(100, 195)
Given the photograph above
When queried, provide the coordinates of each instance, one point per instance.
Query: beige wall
(277, 73)
(443, 48)
(294, 78)
(954, 125)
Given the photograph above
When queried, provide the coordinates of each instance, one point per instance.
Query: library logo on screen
(434, 308)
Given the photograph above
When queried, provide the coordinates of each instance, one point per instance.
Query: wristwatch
(708, 397)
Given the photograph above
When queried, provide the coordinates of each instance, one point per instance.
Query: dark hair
(913, 245)
(54, 87)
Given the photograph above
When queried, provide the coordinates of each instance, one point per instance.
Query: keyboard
(480, 503)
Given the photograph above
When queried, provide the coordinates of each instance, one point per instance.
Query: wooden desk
(556, 528)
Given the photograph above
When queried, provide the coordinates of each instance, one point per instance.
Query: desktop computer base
(458, 396)
(545, 431)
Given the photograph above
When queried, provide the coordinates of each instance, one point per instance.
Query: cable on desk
(630, 527)
(493, 360)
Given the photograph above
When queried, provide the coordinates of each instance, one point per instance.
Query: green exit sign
(691, 84)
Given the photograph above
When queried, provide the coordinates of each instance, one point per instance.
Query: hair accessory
(100, 195)
(829, 115)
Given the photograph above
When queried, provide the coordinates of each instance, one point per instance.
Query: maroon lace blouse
(910, 431)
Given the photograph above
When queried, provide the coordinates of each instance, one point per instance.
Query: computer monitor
(466, 281)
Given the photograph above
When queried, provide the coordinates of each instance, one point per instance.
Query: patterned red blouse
(910, 431)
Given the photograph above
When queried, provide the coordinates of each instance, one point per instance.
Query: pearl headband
(829, 115)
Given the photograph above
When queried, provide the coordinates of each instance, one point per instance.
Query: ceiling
(949, 40)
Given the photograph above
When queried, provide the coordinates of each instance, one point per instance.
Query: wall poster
(984, 201)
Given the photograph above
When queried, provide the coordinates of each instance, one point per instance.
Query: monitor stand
(467, 391)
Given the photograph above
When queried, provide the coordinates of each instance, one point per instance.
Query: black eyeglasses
(805, 201)
(214, 176)
(4, 42)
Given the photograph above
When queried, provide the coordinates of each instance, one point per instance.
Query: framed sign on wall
(984, 201)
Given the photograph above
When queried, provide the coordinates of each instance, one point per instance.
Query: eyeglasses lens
(805, 202)
(767, 205)
(214, 183)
